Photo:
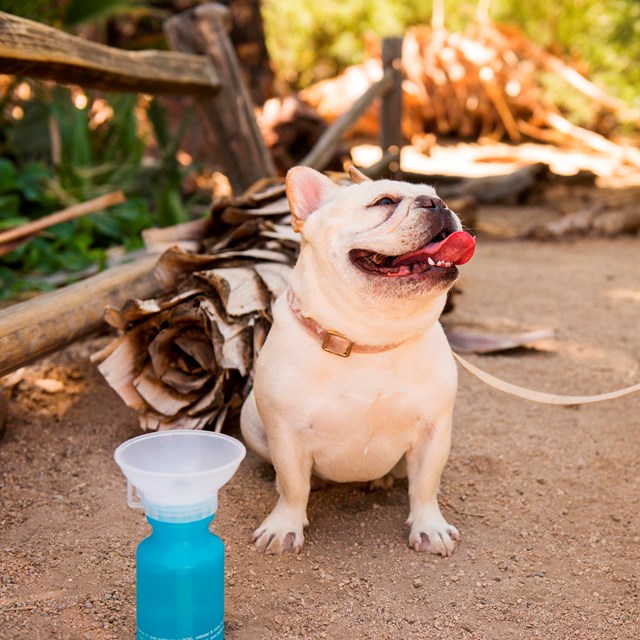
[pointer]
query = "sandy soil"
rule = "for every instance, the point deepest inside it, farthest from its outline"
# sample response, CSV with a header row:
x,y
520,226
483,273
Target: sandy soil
x,y
546,499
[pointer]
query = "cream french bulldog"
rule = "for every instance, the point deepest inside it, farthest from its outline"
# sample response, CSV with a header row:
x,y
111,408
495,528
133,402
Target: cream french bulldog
x,y
356,379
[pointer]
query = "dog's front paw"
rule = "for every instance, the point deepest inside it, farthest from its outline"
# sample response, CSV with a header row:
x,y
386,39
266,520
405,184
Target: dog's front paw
x,y
279,534
439,537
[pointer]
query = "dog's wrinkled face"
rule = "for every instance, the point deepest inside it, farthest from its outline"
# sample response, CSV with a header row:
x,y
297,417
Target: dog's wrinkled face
x,y
387,238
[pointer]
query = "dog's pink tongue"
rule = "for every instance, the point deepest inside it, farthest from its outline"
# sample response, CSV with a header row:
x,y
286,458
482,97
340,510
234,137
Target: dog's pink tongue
x,y
457,248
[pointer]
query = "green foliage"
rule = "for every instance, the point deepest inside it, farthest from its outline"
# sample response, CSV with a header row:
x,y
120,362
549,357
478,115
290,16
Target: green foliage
x,y
311,40
93,160
79,11
603,36
55,155
48,11
66,12
168,201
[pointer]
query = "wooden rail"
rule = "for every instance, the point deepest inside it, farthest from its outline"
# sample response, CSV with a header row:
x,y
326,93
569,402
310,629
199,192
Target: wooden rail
x,y
323,150
389,88
32,49
51,321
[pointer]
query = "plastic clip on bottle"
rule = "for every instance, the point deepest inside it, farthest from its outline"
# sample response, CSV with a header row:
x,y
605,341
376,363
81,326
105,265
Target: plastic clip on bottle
x,y
175,477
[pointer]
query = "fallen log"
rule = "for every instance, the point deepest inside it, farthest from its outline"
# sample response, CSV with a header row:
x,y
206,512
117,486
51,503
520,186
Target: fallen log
x,y
382,168
487,189
492,189
51,321
591,139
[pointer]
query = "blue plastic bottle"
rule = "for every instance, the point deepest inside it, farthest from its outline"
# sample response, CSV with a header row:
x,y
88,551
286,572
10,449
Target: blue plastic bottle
x,y
180,582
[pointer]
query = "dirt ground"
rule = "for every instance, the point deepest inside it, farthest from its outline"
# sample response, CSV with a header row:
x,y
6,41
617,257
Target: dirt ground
x,y
547,499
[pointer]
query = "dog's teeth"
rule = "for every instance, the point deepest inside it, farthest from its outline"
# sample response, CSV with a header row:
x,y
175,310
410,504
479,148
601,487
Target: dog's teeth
x,y
378,258
431,262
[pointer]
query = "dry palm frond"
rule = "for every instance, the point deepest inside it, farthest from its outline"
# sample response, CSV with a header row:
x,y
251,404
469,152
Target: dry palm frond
x,y
186,360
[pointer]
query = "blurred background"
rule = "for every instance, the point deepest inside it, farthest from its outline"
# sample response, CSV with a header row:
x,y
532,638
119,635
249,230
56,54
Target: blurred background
x,y
482,73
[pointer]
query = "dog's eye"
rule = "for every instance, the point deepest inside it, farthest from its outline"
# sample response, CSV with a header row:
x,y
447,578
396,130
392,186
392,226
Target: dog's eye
x,y
384,201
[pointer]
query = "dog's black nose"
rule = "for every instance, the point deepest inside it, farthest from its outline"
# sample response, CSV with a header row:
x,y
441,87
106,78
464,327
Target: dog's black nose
x,y
429,202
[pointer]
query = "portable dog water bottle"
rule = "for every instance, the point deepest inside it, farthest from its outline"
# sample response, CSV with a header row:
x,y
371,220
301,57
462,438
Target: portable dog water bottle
x,y
175,477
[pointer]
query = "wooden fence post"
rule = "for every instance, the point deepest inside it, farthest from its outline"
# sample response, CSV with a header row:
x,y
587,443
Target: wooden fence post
x,y
391,138
321,154
228,117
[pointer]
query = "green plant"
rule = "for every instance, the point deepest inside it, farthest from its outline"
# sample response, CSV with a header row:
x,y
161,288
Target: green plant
x,y
89,160
602,37
321,38
56,152
65,13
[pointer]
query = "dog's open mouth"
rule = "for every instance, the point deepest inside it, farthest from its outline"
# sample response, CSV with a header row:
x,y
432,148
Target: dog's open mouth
x,y
441,252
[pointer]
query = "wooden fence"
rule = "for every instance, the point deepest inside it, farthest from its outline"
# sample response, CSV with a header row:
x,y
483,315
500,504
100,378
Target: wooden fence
x,y
203,65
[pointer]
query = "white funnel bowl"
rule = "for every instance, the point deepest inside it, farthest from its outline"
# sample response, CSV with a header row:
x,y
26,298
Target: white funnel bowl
x,y
176,474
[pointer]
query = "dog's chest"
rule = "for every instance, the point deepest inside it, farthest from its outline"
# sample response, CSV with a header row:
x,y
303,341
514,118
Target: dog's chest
x,y
362,424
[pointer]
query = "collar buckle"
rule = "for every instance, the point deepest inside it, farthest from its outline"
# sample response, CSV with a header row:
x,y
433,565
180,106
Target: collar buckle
x,y
329,340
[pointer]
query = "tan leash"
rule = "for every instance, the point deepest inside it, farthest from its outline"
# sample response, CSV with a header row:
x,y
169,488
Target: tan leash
x,y
540,396
344,347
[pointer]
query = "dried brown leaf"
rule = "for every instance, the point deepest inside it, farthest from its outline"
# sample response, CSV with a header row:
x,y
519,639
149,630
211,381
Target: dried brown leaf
x,y
134,309
187,358
469,341
161,398
120,368
235,215
188,235
240,289
276,277
212,399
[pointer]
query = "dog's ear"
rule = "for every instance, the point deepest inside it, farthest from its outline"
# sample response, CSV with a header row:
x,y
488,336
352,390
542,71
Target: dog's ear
x,y
307,190
357,176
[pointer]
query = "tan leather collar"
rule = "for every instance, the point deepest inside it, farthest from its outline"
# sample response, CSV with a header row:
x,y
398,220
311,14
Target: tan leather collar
x,y
332,341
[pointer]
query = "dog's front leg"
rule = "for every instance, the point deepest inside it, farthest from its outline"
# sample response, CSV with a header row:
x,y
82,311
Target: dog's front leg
x,y
282,530
425,462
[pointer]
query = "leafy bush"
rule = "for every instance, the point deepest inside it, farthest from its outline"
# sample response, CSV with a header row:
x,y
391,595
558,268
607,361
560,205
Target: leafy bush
x,y
91,158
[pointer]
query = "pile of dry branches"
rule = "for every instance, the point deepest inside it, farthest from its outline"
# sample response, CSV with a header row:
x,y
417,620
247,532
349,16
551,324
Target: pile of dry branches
x,y
483,83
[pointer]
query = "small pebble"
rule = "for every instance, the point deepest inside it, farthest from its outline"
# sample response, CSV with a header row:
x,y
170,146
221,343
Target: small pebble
x,y
49,385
